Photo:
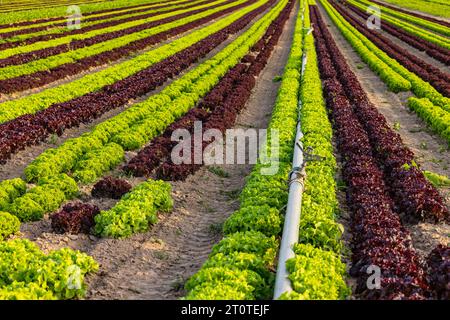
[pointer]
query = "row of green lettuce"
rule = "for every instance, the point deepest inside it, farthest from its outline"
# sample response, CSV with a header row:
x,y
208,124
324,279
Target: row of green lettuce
x,y
26,273
30,204
13,6
76,55
36,14
53,28
316,271
432,37
241,265
436,27
434,116
95,81
89,34
430,105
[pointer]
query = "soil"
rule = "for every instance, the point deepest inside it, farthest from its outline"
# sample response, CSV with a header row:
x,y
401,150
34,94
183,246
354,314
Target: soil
x,y
155,264
431,151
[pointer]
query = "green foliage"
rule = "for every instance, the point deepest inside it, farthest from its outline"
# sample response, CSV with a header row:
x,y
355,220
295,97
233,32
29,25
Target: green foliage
x,y
249,242
110,44
436,8
46,197
436,117
259,218
387,68
436,179
135,211
27,273
218,171
10,190
25,291
208,282
316,274
97,162
232,289
9,225
61,11
319,203
240,261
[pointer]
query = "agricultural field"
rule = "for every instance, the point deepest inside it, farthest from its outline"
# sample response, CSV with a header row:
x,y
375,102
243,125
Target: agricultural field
x,y
224,150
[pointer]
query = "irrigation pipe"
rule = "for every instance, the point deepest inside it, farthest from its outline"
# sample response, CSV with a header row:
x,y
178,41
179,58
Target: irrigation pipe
x,y
293,210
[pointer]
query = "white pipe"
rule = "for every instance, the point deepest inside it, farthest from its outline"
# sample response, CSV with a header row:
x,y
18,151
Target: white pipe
x,y
293,211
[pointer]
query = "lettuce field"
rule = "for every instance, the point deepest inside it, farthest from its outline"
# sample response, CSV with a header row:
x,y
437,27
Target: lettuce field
x,y
224,150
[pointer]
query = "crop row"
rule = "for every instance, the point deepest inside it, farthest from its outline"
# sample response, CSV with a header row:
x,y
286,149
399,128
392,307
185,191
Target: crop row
x,y
412,193
439,80
427,24
12,6
218,110
33,17
27,273
430,36
31,129
135,211
45,197
88,17
437,118
95,81
28,36
433,50
378,237
41,72
44,49
30,5
379,58
411,13
316,271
